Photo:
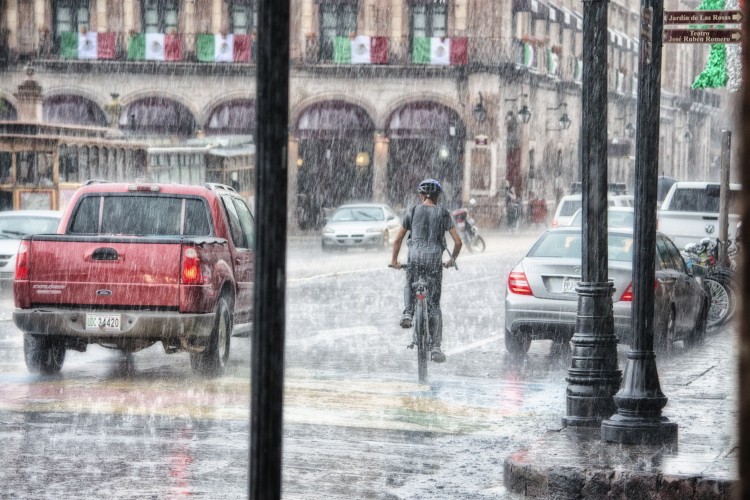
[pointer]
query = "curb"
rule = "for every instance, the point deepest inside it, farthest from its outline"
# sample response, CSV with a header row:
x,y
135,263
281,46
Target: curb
x,y
577,464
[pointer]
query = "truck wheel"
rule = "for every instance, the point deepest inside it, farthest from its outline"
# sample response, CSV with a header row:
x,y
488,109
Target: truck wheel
x,y
43,354
213,360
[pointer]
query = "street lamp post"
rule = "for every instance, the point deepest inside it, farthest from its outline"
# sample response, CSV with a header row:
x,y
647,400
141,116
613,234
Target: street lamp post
x,y
640,401
593,377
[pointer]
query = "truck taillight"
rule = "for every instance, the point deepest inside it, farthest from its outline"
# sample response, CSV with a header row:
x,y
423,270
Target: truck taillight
x,y
22,261
191,267
518,284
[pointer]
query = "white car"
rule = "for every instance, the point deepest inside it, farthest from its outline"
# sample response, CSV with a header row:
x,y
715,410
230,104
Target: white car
x,y
16,224
358,225
571,203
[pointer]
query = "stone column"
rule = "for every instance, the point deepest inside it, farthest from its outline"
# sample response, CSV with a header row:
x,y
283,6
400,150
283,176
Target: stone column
x,y
128,17
101,16
216,20
380,167
39,18
292,168
12,10
29,97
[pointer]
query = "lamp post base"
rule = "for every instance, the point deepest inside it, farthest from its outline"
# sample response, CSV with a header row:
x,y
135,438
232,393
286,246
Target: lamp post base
x,y
627,430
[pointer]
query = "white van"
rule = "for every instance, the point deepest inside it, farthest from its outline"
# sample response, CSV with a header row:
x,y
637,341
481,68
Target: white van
x,y
571,203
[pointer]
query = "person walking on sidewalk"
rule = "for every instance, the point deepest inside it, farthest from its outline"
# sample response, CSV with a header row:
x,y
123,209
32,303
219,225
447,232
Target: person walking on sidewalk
x,y
427,224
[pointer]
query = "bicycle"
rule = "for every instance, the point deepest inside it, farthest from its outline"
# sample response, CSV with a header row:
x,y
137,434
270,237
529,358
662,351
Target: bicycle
x,y
421,337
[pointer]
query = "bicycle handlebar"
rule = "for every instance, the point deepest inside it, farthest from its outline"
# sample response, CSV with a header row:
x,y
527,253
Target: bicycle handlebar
x,y
404,266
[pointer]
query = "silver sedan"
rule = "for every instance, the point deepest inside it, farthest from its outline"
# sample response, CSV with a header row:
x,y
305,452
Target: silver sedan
x,y
357,225
541,301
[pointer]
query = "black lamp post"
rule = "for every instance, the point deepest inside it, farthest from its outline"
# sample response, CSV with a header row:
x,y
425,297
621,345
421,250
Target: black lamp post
x,y
564,118
525,114
640,401
593,377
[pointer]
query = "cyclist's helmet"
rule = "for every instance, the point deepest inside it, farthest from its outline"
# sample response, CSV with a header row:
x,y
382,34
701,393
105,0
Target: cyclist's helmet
x,y
429,187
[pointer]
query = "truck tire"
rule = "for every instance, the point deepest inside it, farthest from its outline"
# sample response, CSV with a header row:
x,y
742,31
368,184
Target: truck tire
x,y
213,360
43,354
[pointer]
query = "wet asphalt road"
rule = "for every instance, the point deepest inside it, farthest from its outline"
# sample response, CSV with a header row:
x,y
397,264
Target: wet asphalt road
x,y
357,425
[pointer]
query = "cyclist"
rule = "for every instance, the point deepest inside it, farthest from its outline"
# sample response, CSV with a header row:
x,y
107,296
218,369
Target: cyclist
x,y
427,224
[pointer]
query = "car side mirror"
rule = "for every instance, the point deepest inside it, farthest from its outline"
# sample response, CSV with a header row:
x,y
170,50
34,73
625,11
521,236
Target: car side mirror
x,y
390,217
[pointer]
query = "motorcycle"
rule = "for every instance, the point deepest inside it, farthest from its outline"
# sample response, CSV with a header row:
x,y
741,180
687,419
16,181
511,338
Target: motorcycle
x,y
468,229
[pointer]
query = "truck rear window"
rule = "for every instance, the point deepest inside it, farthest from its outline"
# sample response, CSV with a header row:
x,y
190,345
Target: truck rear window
x,y
700,200
141,216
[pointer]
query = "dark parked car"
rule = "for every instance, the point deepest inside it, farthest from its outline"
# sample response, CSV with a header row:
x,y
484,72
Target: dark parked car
x,y
541,301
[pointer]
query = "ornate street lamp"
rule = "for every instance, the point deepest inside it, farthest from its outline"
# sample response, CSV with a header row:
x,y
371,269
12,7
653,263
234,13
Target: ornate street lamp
x,y
524,114
479,111
564,118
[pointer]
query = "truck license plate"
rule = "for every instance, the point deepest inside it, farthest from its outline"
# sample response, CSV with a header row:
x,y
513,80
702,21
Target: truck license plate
x,y
103,322
569,285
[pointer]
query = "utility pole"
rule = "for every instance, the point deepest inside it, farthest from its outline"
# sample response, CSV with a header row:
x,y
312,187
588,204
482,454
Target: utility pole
x,y
593,377
267,370
640,401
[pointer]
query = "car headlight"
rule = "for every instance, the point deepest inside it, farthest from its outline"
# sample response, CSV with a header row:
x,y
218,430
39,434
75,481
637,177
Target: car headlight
x,y
375,230
328,230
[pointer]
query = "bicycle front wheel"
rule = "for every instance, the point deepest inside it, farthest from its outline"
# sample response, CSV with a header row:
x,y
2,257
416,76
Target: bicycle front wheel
x,y
420,336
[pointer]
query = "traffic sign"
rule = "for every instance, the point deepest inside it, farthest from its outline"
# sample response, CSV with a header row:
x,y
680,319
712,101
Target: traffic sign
x,y
702,16
702,36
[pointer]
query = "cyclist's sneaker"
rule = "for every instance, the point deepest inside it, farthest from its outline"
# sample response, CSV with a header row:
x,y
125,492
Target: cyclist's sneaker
x,y
437,355
405,321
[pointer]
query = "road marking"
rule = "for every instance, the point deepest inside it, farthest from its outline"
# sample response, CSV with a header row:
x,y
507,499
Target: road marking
x,y
334,334
473,345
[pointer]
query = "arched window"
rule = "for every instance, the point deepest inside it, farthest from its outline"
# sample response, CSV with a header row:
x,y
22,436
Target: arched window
x,y
74,110
243,16
232,117
157,115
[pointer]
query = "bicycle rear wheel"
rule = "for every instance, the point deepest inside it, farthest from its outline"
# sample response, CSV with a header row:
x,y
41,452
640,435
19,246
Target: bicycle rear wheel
x,y
420,336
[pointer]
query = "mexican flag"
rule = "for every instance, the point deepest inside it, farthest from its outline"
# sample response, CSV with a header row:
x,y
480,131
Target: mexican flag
x,y
360,50
155,47
220,48
89,45
440,51
528,55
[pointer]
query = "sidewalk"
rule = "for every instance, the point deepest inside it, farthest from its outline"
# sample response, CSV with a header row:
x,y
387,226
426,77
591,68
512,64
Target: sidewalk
x,y
702,390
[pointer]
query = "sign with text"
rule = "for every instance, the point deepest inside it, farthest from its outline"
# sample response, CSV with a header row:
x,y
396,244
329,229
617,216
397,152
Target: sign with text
x,y
702,16
702,36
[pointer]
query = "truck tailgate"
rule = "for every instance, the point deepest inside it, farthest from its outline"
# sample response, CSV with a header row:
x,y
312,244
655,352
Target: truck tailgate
x,y
107,272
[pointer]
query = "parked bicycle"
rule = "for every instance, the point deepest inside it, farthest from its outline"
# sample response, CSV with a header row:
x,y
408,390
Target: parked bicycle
x,y
718,279
422,337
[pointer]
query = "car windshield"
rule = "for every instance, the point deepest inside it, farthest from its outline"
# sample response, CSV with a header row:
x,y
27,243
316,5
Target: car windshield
x,y
567,245
614,219
20,226
350,214
569,207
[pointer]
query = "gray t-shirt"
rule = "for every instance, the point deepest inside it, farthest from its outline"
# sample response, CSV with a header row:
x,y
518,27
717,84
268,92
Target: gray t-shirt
x,y
427,226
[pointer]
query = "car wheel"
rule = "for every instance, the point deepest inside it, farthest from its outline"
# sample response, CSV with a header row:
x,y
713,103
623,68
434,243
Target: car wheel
x,y
43,354
665,341
213,360
517,344
698,335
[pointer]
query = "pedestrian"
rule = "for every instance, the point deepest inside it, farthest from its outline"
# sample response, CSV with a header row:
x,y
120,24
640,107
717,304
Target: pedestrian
x,y
426,224
537,210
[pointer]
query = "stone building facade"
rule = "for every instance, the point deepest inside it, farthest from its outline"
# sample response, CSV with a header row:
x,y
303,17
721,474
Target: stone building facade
x,y
477,93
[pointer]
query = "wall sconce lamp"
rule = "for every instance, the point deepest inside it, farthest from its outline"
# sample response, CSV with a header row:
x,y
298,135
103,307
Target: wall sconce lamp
x,y
564,118
630,130
362,159
479,111
443,152
524,114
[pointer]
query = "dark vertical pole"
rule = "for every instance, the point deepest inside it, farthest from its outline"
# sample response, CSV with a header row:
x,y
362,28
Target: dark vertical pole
x,y
743,338
267,371
593,377
640,400
726,147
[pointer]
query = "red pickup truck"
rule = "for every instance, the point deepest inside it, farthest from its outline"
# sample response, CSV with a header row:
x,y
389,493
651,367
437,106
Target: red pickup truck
x,y
134,264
